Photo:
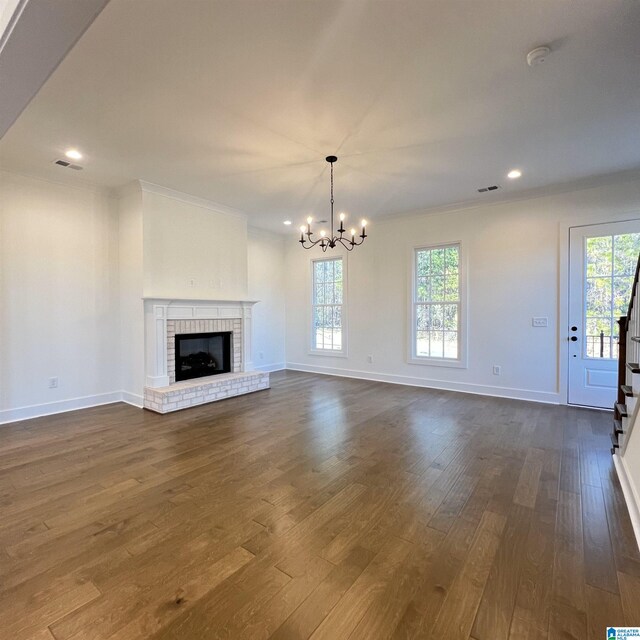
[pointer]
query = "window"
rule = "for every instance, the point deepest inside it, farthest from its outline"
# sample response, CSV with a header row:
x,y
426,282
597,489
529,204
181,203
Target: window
x,y
436,323
328,306
610,264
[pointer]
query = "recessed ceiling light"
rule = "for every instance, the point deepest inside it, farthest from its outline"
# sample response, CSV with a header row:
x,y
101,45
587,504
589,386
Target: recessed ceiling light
x,y
74,154
514,173
287,222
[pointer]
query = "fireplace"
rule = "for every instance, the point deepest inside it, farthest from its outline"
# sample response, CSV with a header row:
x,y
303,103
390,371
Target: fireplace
x,y
203,354
169,324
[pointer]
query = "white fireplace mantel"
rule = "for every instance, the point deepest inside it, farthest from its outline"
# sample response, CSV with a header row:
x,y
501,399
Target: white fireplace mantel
x,y
157,311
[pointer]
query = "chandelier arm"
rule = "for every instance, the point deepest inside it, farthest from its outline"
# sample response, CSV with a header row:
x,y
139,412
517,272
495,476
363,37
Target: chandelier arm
x,y
345,243
312,243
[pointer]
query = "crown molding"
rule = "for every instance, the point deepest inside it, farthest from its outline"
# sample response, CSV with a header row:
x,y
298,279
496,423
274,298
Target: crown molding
x,y
82,186
592,182
11,22
129,189
187,198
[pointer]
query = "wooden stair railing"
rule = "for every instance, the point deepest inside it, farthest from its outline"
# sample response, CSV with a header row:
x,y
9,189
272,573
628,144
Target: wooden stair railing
x,y
623,325
628,358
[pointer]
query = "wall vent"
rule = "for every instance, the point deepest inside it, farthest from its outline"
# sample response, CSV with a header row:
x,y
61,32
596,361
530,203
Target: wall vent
x,y
68,165
493,187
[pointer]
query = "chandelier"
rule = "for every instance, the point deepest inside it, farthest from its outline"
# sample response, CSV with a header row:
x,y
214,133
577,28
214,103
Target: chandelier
x,y
333,239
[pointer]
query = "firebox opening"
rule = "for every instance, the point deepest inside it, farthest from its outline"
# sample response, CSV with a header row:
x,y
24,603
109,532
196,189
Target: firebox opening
x,y
202,354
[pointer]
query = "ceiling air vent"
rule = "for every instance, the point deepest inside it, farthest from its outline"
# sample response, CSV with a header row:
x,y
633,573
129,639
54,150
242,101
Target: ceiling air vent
x,y
493,187
69,165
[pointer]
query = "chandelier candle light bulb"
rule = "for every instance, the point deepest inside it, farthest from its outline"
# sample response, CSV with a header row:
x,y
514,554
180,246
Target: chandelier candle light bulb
x,y
334,238
341,229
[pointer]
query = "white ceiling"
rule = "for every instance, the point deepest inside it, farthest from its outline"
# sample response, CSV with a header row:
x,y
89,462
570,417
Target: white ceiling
x,y
239,101
34,37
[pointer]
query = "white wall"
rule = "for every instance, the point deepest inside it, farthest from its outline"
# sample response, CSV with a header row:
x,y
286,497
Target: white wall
x,y
131,309
515,271
58,292
191,251
76,265
74,270
628,467
267,284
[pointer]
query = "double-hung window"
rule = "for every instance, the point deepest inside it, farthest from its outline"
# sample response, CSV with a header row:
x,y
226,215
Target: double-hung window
x,y
328,306
436,323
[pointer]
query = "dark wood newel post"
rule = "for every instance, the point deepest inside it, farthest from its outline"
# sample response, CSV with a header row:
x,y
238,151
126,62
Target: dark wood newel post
x,y
622,356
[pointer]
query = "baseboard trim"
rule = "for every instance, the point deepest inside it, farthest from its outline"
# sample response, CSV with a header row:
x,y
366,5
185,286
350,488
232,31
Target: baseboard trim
x,y
132,398
462,387
270,368
631,496
73,404
60,406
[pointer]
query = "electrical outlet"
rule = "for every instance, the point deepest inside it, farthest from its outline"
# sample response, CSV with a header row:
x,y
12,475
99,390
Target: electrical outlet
x,y
497,370
370,359
540,322
192,282
261,355
53,383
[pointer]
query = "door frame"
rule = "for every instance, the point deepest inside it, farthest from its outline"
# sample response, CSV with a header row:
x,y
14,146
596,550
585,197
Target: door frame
x,y
563,298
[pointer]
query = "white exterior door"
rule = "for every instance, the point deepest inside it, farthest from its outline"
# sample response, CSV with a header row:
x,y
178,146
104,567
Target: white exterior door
x,y
602,263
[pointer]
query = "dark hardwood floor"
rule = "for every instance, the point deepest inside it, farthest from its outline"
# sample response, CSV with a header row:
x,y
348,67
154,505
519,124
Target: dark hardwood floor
x,y
324,508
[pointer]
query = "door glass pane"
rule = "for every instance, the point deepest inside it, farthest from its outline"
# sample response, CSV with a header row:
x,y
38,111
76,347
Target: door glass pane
x,y
609,269
599,256
625,254
598,297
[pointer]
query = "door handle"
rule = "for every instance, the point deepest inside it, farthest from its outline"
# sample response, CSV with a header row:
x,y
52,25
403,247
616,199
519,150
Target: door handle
x,y
573,338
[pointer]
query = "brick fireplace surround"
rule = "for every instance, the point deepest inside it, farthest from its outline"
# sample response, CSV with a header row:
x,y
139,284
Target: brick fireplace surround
x,y
182,327
164,319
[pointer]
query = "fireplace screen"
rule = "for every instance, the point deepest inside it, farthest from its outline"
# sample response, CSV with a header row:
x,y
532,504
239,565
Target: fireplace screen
x,y
202,354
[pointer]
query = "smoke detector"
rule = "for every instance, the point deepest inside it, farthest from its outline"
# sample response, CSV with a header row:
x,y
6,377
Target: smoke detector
x,y
537,56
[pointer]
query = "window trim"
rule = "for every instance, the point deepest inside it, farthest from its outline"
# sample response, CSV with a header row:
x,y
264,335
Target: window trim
x,y
312,351
412,358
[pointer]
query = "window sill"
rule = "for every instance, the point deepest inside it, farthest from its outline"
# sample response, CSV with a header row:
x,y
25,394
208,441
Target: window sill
x,y
328,354
437,362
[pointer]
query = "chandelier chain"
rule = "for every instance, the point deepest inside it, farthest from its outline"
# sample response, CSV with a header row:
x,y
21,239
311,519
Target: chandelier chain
x,y
331,165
